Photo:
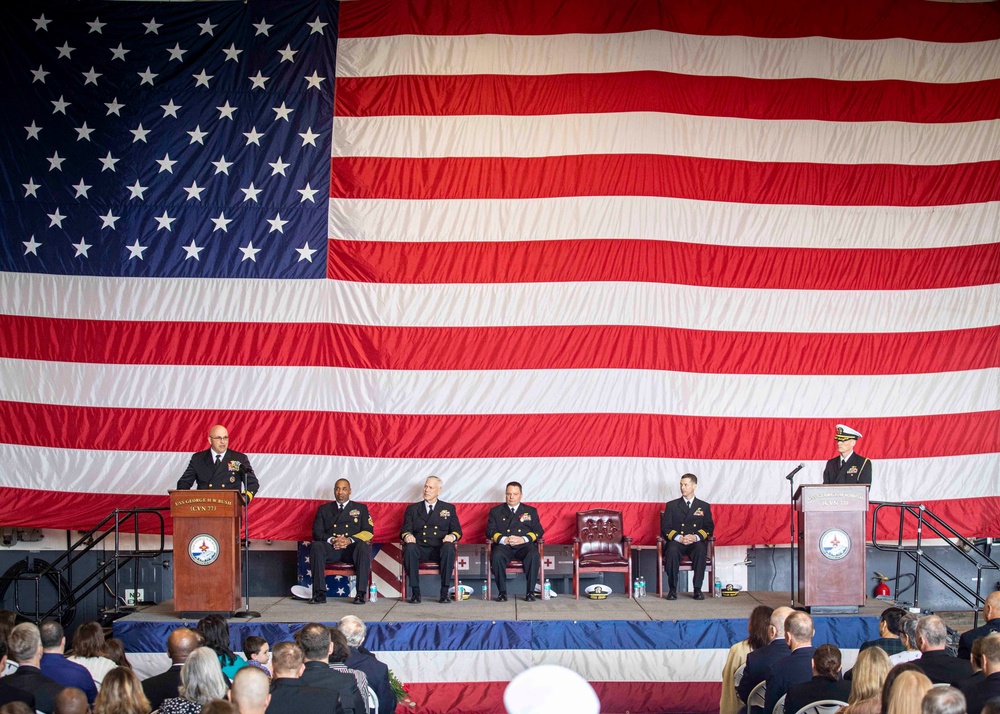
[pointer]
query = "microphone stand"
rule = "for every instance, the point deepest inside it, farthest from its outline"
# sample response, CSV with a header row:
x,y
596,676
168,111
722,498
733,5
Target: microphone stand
x,y
246,612
791,537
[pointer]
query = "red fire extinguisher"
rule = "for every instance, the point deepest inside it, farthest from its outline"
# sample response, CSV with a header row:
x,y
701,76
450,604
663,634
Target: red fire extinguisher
x,y
882,589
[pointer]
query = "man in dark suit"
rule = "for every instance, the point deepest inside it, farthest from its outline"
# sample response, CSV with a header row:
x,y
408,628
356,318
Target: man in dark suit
x,y
317,646
7,692
289,694
989,688
939,666
686,526
180,643
354,631
991,613
219,467
56,667
759,661
848,467
888,640
25,647
797,667
342,532
430,532
514,528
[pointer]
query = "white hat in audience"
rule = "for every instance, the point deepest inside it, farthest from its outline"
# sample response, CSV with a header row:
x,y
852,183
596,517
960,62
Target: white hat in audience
x,y
550,688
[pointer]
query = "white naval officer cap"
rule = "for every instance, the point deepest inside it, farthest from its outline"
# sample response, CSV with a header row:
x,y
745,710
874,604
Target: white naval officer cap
x,y
845,433
549,688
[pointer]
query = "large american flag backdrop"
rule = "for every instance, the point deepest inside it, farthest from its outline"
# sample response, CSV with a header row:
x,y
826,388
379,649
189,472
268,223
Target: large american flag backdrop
x,y
586,245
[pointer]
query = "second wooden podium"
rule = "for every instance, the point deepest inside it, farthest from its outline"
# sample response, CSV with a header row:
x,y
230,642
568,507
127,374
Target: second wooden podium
x,y
206,551
831,523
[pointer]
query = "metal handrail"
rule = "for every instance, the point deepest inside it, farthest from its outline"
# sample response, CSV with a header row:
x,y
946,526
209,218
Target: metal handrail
x,y
114,524
923,561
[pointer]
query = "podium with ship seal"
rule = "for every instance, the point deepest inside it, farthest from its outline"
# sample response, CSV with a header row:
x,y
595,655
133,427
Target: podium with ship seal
x,y
206,552
831,542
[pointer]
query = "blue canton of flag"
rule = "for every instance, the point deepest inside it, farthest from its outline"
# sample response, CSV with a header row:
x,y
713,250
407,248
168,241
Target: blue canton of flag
x,y
167,139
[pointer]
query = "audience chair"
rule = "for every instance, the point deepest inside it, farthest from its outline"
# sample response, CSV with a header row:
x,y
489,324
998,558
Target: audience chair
x,y
431,567
514,567
823,706
756,698
686,564
601,546
738,674
779,706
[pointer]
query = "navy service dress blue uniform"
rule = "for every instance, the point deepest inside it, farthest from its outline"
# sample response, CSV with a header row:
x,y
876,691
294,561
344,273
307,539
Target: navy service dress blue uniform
x,y
523,522
855,469
350,521
678,520
225,475
429,529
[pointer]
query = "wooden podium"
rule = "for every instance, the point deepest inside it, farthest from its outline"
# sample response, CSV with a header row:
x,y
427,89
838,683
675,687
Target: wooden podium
x,y
831,523
206,551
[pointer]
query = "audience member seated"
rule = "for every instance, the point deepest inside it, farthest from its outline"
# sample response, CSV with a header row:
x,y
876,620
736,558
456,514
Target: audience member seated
x,y
251,691
7,622
215,630
550,688
56,667
939,666
121,693
315,641
966,684
991,707
888,631
908,638
258,653
201,682
991,613
180,643
25,645
890,679
7,692
221,706
338,658
760,660
758,635
796,668
114,650
989,688
364,661
825,683
289,694
870,672
72,701
943,700
88,650
907,693
16,708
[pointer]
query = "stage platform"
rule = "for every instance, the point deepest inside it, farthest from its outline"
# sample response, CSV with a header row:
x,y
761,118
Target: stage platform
x,y
645,655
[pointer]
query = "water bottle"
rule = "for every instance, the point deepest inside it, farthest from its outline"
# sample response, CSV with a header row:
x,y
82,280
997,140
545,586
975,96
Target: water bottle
x,y
642,586
372,592
718,589
635,589
486,593
547,590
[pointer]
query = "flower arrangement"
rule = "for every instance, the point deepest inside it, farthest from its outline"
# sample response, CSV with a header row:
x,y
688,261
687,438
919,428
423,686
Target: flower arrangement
x,y
400,690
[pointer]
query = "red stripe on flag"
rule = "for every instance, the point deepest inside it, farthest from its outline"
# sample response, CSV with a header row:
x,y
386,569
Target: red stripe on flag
x,y
875,19
492,348
657,175
495,436
649,91
654,261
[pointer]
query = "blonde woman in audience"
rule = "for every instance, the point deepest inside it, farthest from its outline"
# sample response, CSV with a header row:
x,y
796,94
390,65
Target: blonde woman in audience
x,y
121,693
869,675
88,650
907,693
201,682
757,637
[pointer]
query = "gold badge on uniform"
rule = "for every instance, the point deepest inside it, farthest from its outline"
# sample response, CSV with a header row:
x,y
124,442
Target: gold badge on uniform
x,y
852,470
445,513
699,512
232,479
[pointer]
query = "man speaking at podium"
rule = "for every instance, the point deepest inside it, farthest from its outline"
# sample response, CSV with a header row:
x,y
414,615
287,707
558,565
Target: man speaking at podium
x,y
219,467
849,467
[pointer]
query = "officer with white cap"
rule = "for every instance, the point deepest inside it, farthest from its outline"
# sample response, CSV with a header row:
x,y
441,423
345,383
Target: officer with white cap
x,y
849,467
549,688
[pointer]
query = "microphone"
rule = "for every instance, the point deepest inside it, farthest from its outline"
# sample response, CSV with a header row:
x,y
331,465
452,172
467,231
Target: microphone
x,y
795,471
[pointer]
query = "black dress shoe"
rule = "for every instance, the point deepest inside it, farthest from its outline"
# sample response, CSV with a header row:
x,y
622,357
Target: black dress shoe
x,y
530,597
502,597
445,598
672,595
359,599
414,598
698,595
319,599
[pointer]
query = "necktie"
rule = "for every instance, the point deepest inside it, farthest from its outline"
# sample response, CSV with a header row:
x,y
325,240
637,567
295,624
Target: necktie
x,y
513,510
218,459
687,504
430,510
340,507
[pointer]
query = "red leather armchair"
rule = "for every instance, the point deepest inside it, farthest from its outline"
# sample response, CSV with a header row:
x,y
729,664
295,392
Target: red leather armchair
x,y
601,546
